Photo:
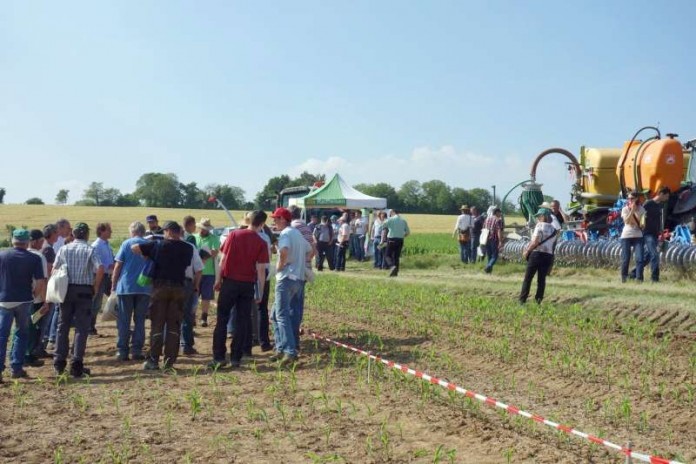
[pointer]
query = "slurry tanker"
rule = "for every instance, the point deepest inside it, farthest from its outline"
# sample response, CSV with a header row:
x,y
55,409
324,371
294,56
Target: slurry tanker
x,y
603,177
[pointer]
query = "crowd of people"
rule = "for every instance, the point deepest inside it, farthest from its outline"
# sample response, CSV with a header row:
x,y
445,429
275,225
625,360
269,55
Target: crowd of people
x,y
165,273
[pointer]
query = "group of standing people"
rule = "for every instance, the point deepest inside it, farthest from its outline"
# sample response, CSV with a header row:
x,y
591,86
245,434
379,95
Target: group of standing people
x,y
353,235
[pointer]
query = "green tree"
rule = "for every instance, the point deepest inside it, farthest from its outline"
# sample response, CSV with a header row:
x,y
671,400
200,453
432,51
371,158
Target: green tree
x,y
381,190
482,198
2,195
411,196
192,196
111,197
461,197
62,196
127,199
159,190
306,179
437,197
93,194
34,201
230,196
266,198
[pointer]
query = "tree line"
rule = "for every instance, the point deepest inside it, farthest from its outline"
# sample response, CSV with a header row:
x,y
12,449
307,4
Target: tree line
x,y
164,190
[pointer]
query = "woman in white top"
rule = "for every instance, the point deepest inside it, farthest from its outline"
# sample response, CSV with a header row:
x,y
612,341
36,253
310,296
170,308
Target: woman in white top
x,y
342,242
539,255
632,236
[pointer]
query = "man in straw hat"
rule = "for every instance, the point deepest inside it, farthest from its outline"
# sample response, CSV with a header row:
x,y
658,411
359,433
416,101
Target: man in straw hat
x,y
462,229
206,240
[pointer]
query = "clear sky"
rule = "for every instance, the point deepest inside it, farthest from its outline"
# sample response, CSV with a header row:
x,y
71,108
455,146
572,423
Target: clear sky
x,y
380,91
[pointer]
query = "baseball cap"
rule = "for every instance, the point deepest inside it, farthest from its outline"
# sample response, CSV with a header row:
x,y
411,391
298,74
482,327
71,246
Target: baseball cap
x,y
283,213
151,218
36,234
543,212
20,235
172,225
81,227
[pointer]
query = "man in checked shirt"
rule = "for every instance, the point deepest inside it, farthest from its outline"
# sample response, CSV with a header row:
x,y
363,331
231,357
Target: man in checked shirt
x,y
85,275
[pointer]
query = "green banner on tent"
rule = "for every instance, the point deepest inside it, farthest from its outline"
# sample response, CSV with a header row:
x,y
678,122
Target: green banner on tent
x,y
325,201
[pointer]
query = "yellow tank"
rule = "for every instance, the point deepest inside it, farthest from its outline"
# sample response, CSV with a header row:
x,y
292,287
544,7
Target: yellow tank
x,y
600,184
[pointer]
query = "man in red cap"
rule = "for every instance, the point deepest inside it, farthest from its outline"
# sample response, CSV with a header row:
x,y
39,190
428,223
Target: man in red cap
x,y
293,253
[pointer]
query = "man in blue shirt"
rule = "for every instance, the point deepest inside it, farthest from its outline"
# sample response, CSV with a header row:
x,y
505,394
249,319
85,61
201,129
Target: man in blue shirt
x,y
133,299
106,256
19,268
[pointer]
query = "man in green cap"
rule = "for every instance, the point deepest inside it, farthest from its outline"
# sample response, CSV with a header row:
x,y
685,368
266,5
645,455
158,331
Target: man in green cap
x,y
539,255
19,269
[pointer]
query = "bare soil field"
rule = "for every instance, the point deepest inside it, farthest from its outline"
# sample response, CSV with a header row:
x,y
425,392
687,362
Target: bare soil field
x,y
613,366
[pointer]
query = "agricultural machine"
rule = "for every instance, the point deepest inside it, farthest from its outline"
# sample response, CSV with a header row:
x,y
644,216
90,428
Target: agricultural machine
x,y
602,179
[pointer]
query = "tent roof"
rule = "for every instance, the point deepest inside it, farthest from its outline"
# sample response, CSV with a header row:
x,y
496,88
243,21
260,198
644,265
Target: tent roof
x,y
336,193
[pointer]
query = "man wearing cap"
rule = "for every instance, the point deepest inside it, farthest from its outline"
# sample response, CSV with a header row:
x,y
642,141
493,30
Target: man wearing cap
x,y
85,274
34,346
153,225
245,255
462,229
539,256
205,240
170,257
133,298
106,257
293,253
19,268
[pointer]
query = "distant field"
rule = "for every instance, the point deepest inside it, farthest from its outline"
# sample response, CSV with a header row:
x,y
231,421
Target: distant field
x,y
36,216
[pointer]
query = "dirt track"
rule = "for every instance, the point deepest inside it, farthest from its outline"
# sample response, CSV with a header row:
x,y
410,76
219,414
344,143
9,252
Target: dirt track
x,y
326,411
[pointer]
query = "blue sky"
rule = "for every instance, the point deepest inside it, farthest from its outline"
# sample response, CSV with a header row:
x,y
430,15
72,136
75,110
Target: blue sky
x,y
380,91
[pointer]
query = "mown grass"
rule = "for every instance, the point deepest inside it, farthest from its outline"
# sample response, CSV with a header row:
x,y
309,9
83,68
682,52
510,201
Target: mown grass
x,y
37,216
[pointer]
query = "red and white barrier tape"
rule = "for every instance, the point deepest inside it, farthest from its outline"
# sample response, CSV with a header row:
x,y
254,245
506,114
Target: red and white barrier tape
x,y
495,403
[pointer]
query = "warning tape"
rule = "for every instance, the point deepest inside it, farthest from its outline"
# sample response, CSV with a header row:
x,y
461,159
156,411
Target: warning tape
x,y
495,403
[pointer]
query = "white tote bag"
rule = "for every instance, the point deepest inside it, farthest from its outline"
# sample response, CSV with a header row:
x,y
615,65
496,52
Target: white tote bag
x,y
57,285
484,237
110,309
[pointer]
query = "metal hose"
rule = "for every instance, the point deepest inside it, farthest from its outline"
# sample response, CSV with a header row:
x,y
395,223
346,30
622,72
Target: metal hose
x,y
602,253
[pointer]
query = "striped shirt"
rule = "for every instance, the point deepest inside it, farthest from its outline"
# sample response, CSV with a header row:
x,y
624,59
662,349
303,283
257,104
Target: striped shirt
x,y
82,262
306,232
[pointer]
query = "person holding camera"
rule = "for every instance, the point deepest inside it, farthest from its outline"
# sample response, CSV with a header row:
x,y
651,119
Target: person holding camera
x,y
632,236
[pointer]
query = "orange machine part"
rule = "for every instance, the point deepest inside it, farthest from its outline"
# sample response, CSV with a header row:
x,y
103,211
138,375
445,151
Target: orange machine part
x,y
660,163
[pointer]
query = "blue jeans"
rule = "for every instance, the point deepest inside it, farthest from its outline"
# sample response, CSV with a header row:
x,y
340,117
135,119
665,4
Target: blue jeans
x,y
492,254
465,253
53,327
286,292
187,340
341,257
474,246
132,306
45,323
21,316
651,254
297,305
378,253
637,245
357,246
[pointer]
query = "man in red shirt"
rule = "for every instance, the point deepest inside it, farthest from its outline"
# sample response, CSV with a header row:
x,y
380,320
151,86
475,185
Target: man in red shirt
x,y
245,255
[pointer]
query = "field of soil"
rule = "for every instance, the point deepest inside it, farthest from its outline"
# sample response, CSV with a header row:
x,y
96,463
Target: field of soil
x,y
611,366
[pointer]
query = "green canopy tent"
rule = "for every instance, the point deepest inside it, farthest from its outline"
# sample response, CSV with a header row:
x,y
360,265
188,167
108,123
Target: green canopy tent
x,y
336,193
